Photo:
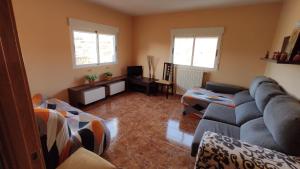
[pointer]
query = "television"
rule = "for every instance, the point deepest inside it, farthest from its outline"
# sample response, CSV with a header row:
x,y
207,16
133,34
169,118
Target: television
x,y
135,71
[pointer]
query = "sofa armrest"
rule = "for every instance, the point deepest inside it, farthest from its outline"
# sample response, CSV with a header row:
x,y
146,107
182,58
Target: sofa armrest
x,y
217,151
223,88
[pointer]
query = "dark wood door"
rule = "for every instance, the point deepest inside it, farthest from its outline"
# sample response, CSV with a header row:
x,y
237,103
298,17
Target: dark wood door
x,y
19,140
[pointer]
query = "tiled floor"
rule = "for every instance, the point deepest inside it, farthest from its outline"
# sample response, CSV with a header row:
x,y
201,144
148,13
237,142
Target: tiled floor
x,y
147,131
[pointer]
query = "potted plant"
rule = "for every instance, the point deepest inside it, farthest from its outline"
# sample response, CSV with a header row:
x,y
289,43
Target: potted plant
x,y
108,75
91,78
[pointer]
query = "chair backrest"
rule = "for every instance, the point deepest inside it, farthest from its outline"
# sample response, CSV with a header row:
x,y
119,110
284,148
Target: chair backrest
x,y
168,72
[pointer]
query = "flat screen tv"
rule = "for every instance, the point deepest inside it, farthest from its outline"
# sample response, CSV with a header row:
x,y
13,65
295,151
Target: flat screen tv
x,y
134,71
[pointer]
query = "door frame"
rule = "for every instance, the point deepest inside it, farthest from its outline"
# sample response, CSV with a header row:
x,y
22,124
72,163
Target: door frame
x,y
19,144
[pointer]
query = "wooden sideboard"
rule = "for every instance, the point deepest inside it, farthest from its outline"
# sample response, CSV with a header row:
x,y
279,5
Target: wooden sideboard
x,y
85,94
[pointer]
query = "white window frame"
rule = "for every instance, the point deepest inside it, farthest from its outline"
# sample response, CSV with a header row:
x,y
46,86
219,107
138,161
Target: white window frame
x,y
85,26
198,32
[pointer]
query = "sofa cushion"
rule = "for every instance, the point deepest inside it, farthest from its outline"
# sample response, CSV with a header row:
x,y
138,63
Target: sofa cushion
x,y
255,132
265,92
220,113
223,88
258,81
213,126
246,112
83,158
242,97
282,118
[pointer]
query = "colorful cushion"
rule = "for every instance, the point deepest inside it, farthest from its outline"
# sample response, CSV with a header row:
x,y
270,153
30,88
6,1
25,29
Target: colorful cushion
x,y
37,100
61,134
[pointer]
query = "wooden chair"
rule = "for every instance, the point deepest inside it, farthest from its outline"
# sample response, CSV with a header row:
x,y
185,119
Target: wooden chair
x,y
167,79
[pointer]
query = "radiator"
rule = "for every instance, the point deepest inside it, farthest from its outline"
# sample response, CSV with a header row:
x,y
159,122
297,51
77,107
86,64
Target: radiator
x,y
187,78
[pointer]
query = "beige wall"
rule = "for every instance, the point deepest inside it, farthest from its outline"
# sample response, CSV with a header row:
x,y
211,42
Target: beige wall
x,y
46,47
249,32
286,75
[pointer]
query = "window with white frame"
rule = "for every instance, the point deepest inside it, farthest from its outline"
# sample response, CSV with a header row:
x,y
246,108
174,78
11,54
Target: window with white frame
x,y
93,44
196,47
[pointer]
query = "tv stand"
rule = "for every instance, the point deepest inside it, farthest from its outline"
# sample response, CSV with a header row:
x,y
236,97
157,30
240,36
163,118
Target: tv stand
x,y
86,94
144,84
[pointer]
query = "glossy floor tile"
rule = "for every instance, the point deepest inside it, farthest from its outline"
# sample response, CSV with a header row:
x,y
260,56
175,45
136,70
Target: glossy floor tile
x,y
147,131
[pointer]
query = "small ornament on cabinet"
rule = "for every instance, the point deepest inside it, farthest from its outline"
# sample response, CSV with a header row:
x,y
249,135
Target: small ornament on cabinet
x,y
276,55
283,57
296,58
267,55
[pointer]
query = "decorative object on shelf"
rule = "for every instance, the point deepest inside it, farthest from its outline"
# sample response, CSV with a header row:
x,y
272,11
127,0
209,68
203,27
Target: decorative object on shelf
x,y
296,58
283,57
267,55
294,44
150,65
285,43
276,55
108,75
290,50
91,78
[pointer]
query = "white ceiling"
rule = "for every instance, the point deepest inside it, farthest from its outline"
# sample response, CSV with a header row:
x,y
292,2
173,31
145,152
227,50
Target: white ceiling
x,y
143,7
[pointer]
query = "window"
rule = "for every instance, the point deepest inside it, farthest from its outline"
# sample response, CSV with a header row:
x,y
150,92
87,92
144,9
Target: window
x,y
198,48
93,44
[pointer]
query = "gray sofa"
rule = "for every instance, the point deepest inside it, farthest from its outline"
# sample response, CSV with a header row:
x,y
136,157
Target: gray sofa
x,y
264,116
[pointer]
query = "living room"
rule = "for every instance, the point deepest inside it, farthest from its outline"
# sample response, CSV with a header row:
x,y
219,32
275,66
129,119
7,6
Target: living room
x,y
151,84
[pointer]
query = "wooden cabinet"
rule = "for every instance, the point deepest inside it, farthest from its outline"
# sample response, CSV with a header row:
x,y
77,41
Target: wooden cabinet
x,y
86,94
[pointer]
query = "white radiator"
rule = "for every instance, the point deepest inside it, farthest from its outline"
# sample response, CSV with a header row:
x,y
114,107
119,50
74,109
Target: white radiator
x,y
187,78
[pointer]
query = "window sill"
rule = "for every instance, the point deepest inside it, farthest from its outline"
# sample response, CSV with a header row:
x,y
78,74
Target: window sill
x,y
196,68
93,65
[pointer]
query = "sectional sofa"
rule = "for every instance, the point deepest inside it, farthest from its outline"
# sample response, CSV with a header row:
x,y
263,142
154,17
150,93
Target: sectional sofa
x,y
264,124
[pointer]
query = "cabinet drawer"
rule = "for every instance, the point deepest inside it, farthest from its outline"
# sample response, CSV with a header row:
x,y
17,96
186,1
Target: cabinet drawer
x,y
117,87
93,95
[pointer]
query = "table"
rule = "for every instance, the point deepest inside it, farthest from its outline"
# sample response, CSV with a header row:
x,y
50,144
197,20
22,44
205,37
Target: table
x,y
197,100
148,85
